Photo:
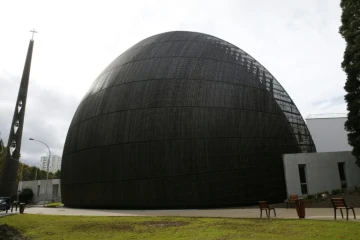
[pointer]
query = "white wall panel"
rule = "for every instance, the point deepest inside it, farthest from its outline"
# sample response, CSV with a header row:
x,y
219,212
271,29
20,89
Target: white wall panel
x,y
322,171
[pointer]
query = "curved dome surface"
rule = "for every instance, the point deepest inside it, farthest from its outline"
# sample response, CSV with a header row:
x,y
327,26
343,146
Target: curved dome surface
x,y
181,119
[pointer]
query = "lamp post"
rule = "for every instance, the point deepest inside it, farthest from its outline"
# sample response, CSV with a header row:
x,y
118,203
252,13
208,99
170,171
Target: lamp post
x,y
47,172
36,168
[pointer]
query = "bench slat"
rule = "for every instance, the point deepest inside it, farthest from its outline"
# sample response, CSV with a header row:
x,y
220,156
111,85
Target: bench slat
x,y
339,203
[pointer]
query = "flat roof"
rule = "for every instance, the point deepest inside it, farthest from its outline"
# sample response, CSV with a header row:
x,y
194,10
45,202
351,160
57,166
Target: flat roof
x,y
326,116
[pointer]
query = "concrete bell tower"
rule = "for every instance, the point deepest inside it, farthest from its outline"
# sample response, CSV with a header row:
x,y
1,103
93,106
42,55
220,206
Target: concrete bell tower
x,y
11,163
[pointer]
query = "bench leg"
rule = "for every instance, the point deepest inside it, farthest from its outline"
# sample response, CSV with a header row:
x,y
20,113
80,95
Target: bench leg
x,y
334,213
274,212
342,215
260,213
347,214
267,213
353,212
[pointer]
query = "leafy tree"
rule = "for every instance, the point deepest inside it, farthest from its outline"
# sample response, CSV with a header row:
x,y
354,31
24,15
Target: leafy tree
x,y
26,172
57,174
350,30
26,195
2,158
2,153
1,146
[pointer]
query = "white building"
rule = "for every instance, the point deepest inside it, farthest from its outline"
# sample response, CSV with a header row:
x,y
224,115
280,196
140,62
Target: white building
x,y
55,163
328,132
332,167
53,190
311,173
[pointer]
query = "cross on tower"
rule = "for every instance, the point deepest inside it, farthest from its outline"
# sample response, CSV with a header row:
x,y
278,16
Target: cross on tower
x,y
33,31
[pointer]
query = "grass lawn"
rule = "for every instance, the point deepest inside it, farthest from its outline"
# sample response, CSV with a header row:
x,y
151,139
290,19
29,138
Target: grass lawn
x,y
55,204
70,227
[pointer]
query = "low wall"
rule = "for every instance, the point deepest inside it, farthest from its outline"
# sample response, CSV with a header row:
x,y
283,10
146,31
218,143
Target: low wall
x,y
38,187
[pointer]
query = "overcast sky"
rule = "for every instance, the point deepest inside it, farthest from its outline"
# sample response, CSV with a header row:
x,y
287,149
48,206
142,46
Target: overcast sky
x,y
297,41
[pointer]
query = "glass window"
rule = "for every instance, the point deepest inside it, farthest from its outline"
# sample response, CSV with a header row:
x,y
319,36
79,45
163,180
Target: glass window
x,y
303,182
341,167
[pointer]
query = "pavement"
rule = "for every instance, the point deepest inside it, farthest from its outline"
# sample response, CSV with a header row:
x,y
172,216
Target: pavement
x,y
281,213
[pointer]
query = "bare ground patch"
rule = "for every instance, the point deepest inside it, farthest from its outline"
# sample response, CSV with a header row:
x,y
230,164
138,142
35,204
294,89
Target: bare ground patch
x,y
103,226
10,233
166,224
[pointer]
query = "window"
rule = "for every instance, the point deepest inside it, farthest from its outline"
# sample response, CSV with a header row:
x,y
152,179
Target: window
x,y
341,167
55,191
302,174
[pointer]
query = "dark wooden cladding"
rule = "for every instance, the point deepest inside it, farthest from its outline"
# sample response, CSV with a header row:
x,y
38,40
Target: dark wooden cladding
x,y
180,120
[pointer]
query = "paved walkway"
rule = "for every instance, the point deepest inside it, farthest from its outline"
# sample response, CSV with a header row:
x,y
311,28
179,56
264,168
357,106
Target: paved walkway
x,y
311,213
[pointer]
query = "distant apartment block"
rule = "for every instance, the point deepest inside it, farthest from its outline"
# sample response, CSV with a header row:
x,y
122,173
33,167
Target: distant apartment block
x,y
55,163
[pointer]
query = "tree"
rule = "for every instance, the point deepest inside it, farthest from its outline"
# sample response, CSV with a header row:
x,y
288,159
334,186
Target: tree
x,y
2,158
2,148
57,174
350,31
26,195
26,172
2,153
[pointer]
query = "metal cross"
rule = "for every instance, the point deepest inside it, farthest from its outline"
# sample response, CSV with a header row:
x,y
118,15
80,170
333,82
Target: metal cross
x,y
33,31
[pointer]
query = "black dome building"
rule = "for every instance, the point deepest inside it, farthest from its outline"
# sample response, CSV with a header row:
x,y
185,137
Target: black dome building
x,y
181,119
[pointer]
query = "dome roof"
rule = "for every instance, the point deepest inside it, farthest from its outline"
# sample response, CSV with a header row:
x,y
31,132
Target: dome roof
x,y
181,119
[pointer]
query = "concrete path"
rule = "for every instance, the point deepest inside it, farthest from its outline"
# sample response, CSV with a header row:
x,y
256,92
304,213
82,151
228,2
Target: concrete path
x,y
311,213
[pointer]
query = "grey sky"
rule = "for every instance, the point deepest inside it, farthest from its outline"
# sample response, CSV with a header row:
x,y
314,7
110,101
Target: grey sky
x,y
297,41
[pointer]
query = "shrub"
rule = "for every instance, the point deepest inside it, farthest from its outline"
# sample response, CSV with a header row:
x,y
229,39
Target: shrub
x,y
335,191
310,196
26,195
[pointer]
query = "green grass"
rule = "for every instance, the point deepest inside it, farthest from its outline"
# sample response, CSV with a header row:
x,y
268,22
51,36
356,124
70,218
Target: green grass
x,y
71,227
55,204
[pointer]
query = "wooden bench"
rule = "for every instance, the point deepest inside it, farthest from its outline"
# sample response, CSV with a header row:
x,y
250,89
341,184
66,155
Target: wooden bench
x,y
291,200
339,203
265,206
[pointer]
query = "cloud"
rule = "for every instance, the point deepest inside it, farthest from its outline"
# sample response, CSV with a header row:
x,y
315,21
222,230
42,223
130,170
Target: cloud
x,y
47,118
338,100
297,41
